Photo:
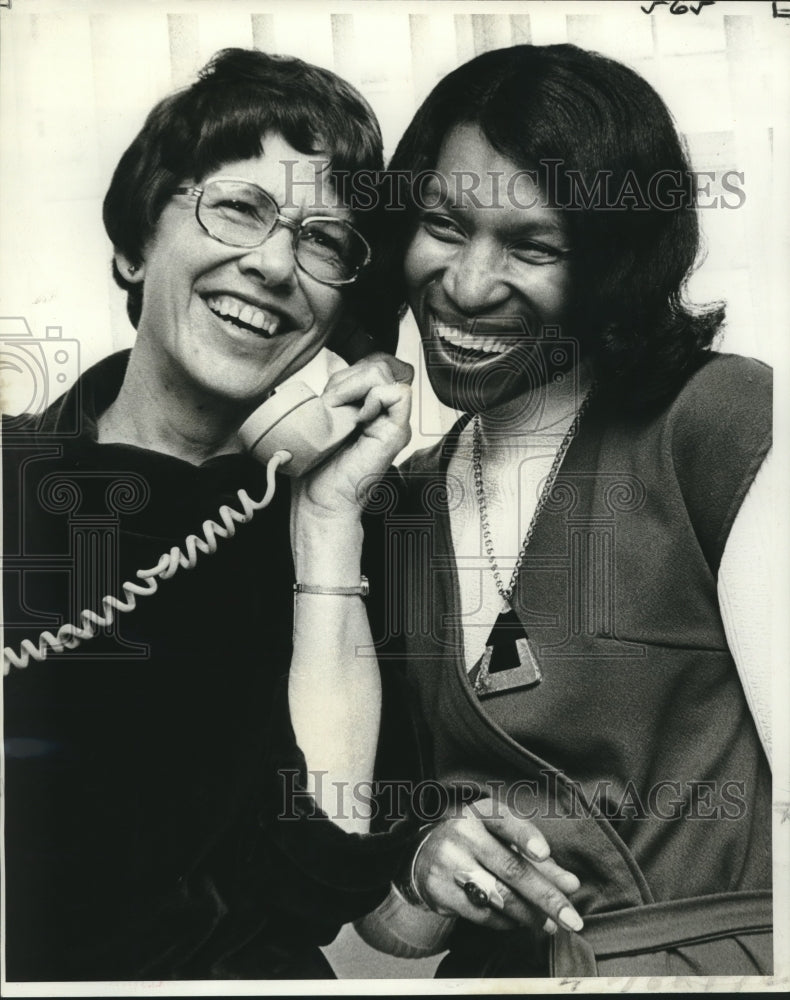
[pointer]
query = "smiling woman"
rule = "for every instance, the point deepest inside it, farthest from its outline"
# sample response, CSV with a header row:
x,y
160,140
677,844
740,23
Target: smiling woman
x,y
171,262
579,615
140,794
484,281
206,302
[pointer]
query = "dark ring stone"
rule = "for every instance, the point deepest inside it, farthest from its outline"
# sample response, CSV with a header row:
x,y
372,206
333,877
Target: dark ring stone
x,y
476,895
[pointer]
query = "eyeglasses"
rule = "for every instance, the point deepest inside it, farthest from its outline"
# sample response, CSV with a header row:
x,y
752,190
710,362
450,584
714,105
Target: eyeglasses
x,y
240,214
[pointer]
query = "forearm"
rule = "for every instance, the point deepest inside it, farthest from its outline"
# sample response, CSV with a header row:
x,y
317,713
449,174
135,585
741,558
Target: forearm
x,y
400,928
334,688
745,592
403,924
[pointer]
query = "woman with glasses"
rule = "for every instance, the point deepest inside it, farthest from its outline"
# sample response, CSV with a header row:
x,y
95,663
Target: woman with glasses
x,y
139,784
583,550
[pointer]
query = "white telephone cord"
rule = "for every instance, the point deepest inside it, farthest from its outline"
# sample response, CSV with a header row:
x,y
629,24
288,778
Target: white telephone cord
x,y
70,636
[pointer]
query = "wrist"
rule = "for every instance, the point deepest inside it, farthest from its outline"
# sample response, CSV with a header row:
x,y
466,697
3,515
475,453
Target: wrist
x,y
405,881
398,928
327,554
312,514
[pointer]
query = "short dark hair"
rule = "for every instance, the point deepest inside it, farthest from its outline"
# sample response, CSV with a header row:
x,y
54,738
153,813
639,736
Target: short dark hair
x,y
239,95
537,104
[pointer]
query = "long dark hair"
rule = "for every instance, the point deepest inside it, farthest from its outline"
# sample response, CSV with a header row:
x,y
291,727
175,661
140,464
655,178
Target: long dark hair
x,y
579,119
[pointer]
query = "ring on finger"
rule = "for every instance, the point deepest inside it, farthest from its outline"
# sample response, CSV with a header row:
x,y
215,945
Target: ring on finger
x,y
480,888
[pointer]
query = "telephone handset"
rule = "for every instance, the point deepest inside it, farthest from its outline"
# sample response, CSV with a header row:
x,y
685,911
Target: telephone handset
x,y
296,421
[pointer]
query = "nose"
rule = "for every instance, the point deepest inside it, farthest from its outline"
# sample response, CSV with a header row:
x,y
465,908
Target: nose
x,y
274,260
472,278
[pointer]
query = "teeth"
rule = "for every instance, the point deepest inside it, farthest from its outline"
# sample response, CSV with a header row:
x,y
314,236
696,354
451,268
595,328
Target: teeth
x,y
228,307
457,337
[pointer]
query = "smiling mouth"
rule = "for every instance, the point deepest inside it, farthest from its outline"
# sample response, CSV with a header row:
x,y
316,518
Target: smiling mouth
x,y
244,316
468,344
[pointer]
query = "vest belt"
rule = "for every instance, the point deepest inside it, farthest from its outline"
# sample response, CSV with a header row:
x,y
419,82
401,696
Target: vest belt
x,y
657,927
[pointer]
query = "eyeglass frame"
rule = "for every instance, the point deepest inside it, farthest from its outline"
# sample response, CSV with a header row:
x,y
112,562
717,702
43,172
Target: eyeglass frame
x,y
279,220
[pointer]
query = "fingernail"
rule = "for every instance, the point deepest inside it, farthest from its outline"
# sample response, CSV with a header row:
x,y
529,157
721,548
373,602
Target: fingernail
x,y
570,919
538,848
570,882
496,900
550,927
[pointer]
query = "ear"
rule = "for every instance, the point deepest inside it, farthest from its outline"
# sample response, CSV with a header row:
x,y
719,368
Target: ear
x,y
133,273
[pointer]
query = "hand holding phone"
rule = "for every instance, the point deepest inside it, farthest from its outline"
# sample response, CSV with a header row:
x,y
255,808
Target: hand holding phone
x,y
354,431
297,421
311,428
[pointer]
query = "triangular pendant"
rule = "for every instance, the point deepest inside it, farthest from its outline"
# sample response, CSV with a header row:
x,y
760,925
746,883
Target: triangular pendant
x,y
507,663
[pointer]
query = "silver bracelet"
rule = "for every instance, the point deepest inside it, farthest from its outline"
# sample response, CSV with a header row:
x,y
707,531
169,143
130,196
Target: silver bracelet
x,y
409,889
361,590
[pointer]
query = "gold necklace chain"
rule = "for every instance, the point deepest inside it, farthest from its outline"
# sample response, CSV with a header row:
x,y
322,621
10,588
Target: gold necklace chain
x,y
482,503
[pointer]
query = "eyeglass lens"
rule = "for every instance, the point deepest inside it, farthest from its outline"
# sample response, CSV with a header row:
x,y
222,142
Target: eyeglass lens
x,y
243,215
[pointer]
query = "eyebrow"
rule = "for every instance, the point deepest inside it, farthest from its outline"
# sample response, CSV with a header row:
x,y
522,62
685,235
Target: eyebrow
x,y
519,222
540,227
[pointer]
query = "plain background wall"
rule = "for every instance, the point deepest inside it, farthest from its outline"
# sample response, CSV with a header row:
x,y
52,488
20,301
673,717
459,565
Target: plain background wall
x,y
77,78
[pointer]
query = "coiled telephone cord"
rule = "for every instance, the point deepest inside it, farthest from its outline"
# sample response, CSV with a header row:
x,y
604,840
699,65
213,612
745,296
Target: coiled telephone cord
x,y
70,636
